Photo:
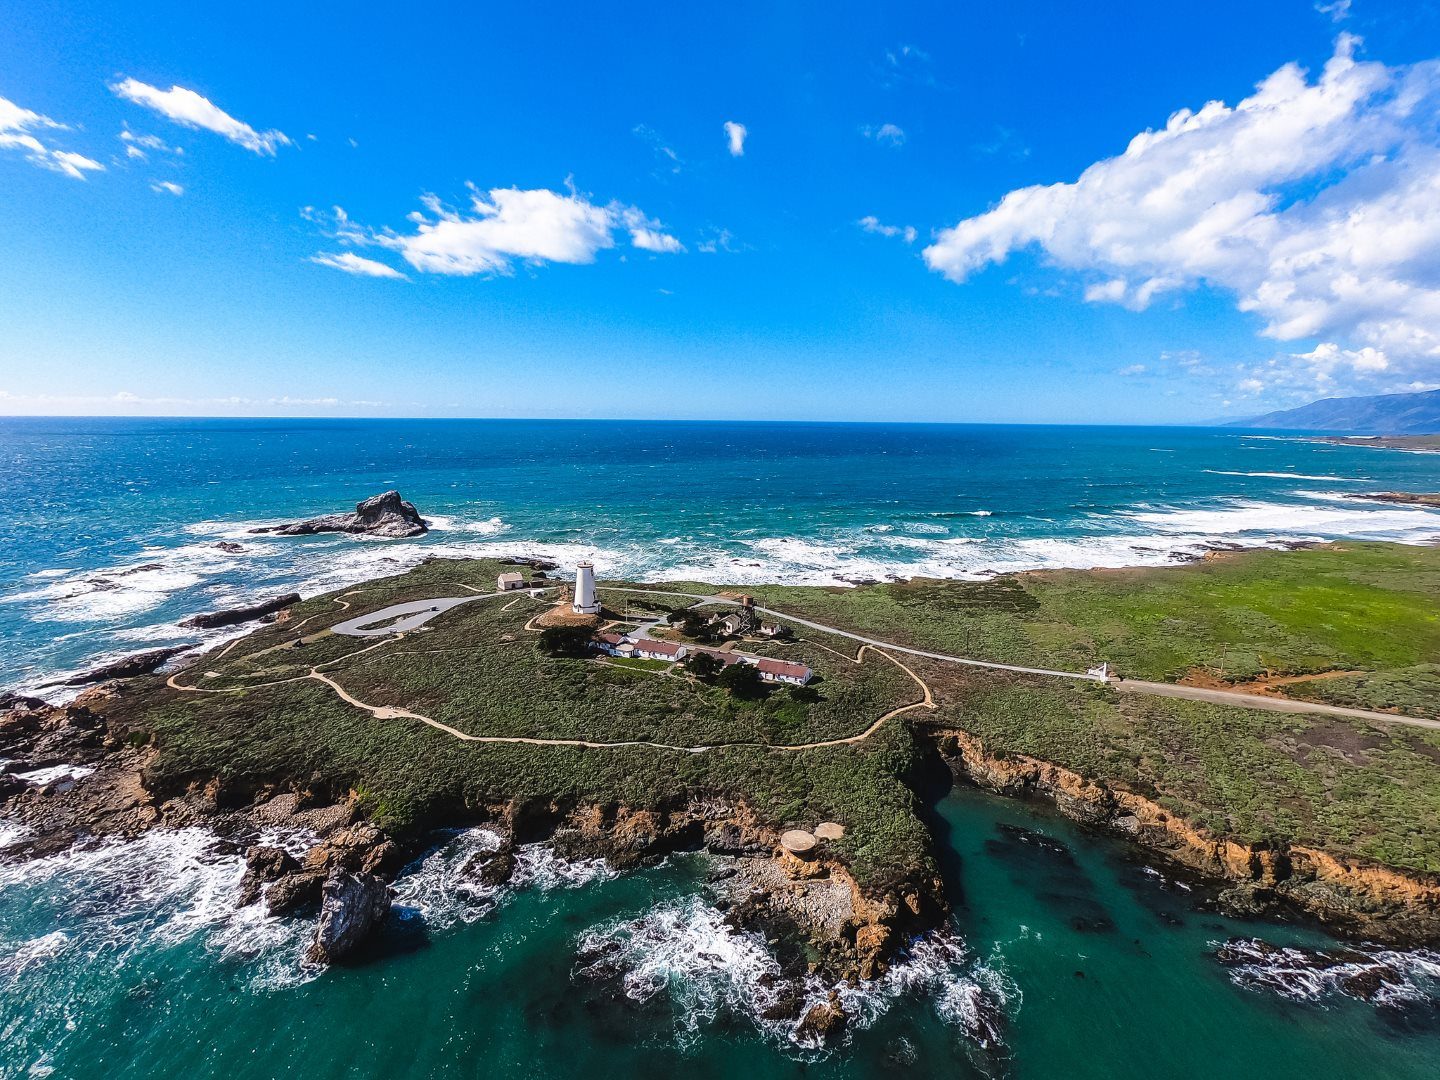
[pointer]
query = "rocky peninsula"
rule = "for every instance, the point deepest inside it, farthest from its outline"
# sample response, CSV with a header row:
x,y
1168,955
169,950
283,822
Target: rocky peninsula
x,y
366,746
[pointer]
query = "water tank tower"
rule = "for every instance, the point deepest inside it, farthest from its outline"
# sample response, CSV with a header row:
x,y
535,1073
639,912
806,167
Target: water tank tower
x,y
586,602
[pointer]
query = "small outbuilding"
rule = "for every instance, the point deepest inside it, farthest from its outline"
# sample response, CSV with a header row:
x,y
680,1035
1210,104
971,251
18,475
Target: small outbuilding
x,y
510,581
783,671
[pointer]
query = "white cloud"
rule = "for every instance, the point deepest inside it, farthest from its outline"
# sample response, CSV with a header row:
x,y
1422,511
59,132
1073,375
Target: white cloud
x,y
167,187
17,132
871,224
717,240
650,240
735,136
355,264
666,155
1316,203
1133,369
889,134
505,225
137,145
1338,10
189,109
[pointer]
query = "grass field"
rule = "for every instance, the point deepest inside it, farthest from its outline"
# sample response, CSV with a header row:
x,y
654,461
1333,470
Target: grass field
x,y
1235,617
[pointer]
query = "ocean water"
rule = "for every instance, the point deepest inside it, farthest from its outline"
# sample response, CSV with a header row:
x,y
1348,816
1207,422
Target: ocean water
x,y
1067,952
1065,957
109,531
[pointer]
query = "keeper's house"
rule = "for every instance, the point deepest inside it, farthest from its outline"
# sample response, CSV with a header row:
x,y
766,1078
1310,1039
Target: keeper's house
x,y
650,649
783,671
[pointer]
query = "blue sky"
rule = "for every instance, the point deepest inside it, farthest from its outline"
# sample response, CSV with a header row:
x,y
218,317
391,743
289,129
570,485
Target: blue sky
x,y
564,228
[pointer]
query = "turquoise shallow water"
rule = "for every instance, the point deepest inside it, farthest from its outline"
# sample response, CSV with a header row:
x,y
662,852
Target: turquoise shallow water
x,y
1065,956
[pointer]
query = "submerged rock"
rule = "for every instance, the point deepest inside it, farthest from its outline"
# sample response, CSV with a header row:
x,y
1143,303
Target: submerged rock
x,y
351,907
231,616
386,514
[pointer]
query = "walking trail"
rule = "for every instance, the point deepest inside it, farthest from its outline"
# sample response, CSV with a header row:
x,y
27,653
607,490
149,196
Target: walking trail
x,y
394,622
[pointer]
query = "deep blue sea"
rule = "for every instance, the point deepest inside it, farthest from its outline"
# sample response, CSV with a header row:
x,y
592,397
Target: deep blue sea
x,y
109,530
1067,955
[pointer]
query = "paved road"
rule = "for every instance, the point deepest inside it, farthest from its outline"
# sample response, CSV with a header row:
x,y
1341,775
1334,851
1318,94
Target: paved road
x,y
397,618
786,617
1261,701
1135,686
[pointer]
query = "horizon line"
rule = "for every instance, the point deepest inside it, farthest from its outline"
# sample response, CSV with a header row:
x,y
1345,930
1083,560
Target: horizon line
x,y
623,420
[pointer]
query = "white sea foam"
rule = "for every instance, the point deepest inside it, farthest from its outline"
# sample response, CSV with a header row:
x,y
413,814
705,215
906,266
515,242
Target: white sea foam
x,y
1293,476
684,949
1245,518
441,886
11,832
120,897
1401,978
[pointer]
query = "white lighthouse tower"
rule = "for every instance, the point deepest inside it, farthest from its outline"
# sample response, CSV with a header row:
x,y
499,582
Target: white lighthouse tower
x,y
586,602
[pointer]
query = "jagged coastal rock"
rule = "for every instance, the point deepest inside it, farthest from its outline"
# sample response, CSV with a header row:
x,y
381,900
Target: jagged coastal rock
x,y
141,663
1405,498
232,616
385,515
351,907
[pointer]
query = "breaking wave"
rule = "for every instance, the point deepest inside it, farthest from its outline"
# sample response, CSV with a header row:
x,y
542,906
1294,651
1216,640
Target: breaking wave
x,y
441,887
684,950
1385,977
141,601
116,900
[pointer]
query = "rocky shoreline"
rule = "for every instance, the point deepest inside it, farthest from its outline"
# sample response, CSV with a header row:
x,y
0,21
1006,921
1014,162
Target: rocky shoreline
x,y
1351,898
811,911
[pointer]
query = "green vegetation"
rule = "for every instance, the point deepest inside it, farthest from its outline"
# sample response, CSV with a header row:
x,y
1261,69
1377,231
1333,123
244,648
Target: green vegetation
x,y
1371,790
1367,611
1235,617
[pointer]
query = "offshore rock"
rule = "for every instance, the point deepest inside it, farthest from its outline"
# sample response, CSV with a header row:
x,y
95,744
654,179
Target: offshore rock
x,y
231,616
385,515
352,906
141,663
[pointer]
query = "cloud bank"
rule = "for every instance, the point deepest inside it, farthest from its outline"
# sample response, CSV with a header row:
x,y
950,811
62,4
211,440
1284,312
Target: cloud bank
x,y
1315,203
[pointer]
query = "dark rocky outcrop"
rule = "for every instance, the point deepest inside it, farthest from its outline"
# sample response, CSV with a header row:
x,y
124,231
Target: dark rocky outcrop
x,y
1405,498
352,906
263,865
232,616
823,1022
386,515
141,663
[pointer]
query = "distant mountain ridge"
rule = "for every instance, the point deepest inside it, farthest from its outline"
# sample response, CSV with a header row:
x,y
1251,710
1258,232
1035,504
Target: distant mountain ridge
x,y
1382,414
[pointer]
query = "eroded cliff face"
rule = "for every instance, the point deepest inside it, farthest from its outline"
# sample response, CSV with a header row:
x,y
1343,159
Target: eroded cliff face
x,y
813,907
1353,896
